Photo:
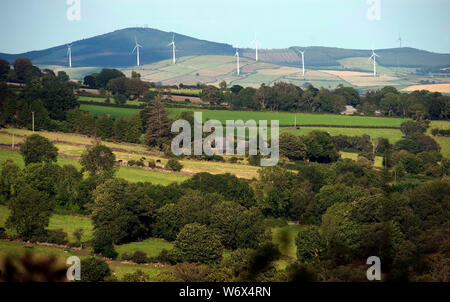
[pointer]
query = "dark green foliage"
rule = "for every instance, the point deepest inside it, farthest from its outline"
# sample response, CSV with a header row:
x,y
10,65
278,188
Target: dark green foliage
x,y
103,243
237,226
30,212
196,243
174,165
124,209
98,159
231,187
36,149
414,127
292,147
157,124
411,163
320,147
94,269
310,244
168,222
300,272
8,176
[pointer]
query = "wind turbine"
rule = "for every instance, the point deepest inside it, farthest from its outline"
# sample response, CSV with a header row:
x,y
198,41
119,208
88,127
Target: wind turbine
x,y
136,47
256,46
303,61
69,54
400,40
373,57
237,58
174,59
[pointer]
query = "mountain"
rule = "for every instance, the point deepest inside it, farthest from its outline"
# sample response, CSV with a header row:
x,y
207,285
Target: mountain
x,y
114,50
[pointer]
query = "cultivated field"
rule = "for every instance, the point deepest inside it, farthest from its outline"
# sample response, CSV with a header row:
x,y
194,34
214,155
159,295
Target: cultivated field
x,y
443,88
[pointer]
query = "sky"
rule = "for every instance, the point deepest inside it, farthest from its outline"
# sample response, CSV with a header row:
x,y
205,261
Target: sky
x,y
359,24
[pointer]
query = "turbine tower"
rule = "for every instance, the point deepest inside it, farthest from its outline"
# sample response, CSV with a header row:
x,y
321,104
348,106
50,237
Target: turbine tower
x,y
69,54
237,61
174,59
136,47
256,47
303,61
373,57
400,40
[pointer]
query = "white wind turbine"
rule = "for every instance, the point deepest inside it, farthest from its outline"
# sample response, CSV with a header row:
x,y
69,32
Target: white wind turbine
x,y
303,61
237,61
373,57
136,47
256,47
400,40
174,59
69,54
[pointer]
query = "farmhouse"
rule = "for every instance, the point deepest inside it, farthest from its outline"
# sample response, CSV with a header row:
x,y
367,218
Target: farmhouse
x,y
349,110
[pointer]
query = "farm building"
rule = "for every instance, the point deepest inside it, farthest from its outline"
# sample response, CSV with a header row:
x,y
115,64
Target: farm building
x,y
349,110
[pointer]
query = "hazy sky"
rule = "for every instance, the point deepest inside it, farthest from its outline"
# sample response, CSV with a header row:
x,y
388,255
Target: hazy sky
x,y
38,24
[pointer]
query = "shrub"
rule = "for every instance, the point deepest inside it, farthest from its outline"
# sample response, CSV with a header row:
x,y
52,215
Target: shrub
x,y
131,163
174,165
94,270
254,160
3,234
57,236
139,257
151,164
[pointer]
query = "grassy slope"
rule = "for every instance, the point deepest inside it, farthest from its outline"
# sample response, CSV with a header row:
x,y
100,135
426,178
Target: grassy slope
x,y
128,173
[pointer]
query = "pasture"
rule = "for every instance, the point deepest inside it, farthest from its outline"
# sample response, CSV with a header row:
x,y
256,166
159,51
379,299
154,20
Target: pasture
x,y
128,173
284,118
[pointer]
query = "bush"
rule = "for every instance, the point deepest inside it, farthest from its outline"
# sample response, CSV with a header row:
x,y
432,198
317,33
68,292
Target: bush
x,y
139,257
254,160
102,243
151,164
94,270
174,165
57,236
3,234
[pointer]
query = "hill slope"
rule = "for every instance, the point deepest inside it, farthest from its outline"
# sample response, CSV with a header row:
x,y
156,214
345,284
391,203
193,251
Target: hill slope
x,y
114,50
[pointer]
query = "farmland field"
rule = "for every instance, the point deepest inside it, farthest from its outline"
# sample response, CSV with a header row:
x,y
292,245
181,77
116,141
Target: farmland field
x,y
127,173
66,222
443,88
285,118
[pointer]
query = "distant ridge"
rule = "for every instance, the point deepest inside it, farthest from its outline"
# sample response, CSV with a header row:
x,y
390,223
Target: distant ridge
x,y
114,50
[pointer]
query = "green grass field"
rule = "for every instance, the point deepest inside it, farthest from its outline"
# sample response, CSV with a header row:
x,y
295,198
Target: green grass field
x,y
151,246
284,118
102,100
284,237
392,134
66,222
127,173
